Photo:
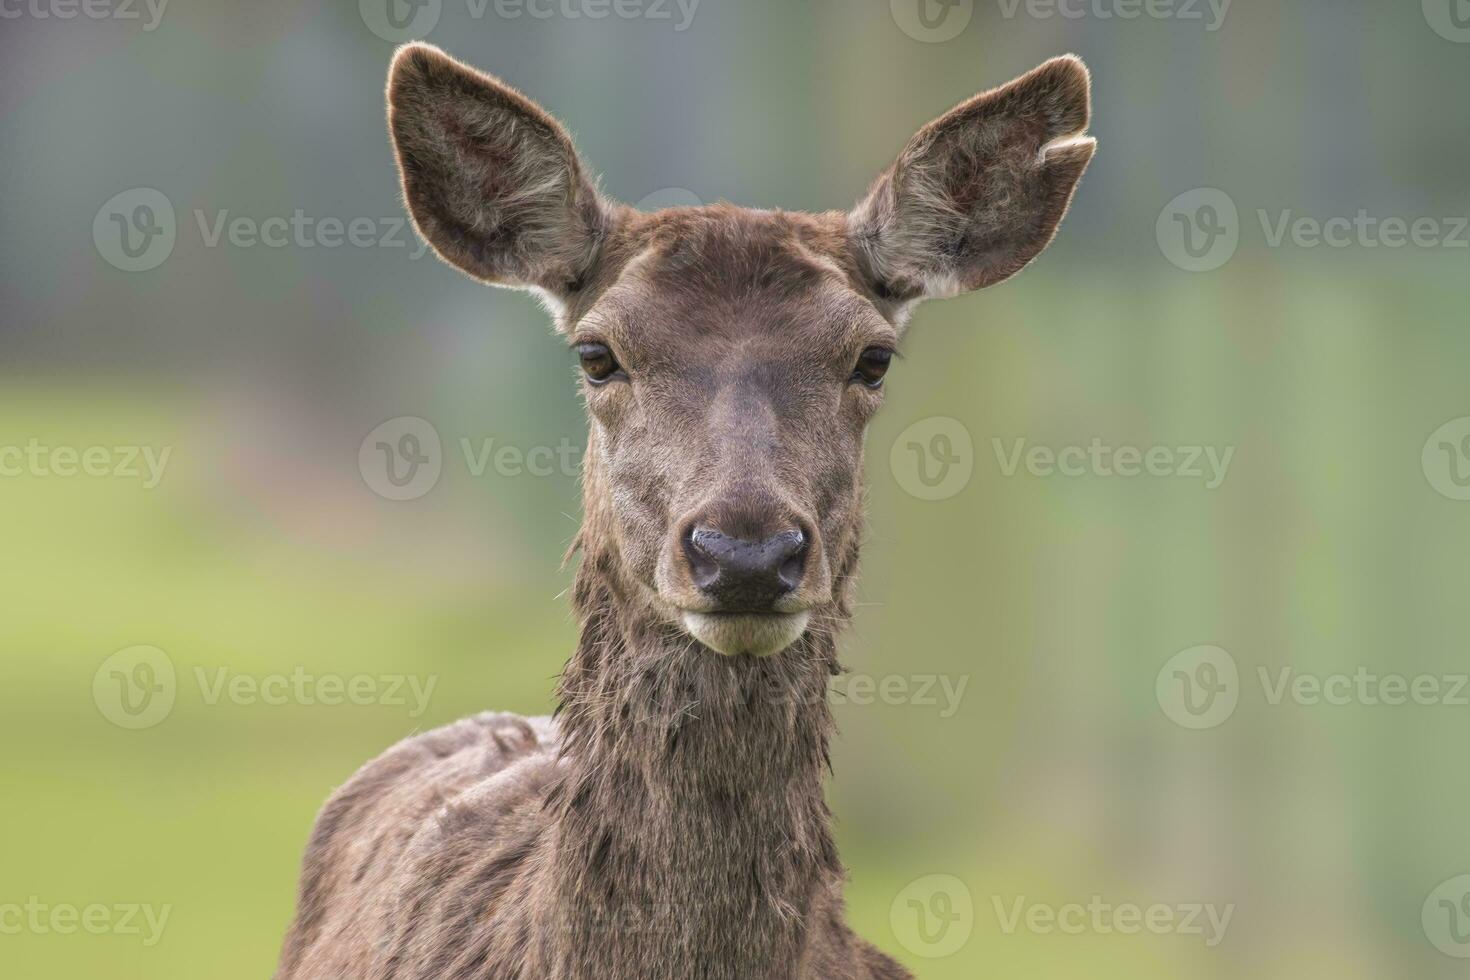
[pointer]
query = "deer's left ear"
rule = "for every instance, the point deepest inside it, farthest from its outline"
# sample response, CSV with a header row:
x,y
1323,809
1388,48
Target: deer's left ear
x,y
492,180
978,192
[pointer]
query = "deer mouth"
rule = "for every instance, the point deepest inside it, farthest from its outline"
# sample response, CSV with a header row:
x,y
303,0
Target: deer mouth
x,y
737,633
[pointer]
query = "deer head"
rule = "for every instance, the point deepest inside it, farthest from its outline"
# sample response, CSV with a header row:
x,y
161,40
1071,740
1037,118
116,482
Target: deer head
x,y
731,359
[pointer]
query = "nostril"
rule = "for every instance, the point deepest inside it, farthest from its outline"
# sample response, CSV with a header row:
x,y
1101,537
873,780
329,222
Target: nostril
x,y
791,572
704,567
792,550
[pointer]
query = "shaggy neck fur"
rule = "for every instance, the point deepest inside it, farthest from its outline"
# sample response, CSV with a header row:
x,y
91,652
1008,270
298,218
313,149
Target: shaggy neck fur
x,y
691,836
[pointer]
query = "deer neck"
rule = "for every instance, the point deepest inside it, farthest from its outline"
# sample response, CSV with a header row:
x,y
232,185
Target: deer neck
x,y
692,837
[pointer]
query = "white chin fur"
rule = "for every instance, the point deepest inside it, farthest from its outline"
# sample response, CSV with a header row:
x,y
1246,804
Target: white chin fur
x,y
758,635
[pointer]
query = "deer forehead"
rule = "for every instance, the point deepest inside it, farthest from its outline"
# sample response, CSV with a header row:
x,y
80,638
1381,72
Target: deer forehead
x,y
724,287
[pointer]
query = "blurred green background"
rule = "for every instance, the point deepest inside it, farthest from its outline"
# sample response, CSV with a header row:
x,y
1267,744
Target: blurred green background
x,y
1332,547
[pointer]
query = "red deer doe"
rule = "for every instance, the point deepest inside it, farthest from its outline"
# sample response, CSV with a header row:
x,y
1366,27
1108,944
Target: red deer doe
x,y
668,822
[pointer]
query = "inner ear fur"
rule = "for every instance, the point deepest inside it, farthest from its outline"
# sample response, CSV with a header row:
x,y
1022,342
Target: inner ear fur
x,y
978,193
492,181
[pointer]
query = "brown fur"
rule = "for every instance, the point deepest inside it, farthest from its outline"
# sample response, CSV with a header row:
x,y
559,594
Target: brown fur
x,y
669,822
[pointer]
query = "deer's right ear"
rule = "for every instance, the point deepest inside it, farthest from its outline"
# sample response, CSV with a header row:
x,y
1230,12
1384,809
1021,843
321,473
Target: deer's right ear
x,y
978,192
492,181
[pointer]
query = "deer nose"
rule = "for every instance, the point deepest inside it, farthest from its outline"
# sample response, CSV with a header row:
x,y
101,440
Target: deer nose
x,y
745,576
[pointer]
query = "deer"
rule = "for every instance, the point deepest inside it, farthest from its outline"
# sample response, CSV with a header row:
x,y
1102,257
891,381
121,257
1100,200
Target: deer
x,y
668,820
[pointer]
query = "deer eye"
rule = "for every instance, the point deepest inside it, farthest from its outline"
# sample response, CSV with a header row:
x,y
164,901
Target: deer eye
x,y
872,366
598,363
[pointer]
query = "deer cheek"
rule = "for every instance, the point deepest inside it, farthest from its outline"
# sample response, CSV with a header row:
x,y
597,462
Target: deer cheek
x,y
608,404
